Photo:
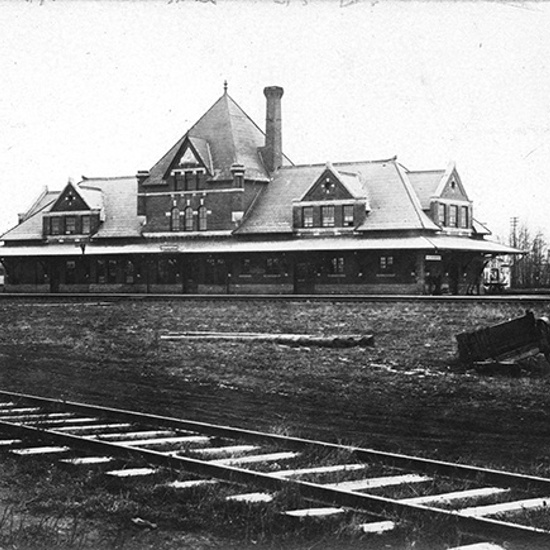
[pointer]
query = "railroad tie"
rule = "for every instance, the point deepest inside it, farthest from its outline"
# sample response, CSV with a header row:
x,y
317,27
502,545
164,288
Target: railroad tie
x,y
376,482
505,507
250,498
479,546
40,450
315,512
132,472
271,457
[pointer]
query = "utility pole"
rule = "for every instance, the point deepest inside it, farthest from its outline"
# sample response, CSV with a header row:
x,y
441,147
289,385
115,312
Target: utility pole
x,y
513,243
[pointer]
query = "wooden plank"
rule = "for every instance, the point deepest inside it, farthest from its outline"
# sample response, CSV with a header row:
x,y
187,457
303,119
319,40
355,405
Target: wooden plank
x,y
230,449
272,457
251,497
319,470
315,512
505,507
132,472
375,482
40,450
479,546
378,527
456,495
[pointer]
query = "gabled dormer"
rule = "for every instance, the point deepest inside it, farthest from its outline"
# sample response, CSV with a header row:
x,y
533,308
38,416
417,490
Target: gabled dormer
x,y
77,212
335,200
450,207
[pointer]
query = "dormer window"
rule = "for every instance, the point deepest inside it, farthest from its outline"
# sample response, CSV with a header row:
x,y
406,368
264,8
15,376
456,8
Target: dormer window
x,y
327,216
203,218
188,216
453,215
175,219
441,214
86,225
465,218
55,225
70,225
307,216
348,217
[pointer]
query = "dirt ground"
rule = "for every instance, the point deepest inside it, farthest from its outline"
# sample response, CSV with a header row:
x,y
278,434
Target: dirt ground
x,y
407,394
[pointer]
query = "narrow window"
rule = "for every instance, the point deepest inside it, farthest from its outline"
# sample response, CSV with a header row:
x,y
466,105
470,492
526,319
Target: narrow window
x,y
86,225
175,219
465,218
327,216
442,214
101,271
189,223
70,225
348,216
203,218
453,214
307,216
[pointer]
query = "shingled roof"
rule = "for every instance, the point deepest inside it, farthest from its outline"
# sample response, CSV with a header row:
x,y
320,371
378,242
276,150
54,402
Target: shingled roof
x,y
425,184
223,136
393,204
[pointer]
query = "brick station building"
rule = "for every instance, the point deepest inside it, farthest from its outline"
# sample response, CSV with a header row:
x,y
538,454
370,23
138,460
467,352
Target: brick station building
x,y
225,211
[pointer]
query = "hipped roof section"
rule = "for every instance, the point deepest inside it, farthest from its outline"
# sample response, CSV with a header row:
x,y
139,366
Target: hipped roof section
x,y
393,204
223,136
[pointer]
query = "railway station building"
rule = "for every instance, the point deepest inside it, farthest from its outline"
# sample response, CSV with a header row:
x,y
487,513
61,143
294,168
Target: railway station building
x,y
225,211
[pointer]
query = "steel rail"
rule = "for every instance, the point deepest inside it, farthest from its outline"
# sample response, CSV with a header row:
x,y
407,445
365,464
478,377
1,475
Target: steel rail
x,y
114,297
374,505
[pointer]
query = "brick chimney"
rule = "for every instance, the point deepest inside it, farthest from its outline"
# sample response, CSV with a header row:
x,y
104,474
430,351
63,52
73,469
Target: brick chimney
x,y
273,150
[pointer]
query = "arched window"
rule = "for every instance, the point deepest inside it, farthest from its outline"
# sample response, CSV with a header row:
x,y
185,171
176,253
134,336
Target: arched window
x,y
188,214
175,219
203,218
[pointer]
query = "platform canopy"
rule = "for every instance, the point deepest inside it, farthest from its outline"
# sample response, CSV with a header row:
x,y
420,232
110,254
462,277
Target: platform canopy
x,y
224,246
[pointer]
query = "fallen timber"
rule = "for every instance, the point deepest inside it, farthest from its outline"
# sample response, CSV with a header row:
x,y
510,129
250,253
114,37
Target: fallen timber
x,y
333,341
32,419
508,347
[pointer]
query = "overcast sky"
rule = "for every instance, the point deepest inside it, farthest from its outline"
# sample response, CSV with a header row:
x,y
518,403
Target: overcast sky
x,y
105,88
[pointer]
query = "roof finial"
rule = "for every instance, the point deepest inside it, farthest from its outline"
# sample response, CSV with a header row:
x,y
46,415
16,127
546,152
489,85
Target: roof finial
x,y
225,86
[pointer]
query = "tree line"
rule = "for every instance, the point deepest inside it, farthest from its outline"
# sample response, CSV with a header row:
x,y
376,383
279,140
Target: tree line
x,y
532,269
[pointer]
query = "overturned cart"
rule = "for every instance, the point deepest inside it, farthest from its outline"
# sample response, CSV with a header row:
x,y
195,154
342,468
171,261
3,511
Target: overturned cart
x,y
510,347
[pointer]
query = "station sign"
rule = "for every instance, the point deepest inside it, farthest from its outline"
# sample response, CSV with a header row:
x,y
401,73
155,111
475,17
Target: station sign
x,y
433,257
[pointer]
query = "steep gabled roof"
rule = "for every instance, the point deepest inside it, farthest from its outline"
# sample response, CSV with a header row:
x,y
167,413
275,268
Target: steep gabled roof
x,y
224,135
393,204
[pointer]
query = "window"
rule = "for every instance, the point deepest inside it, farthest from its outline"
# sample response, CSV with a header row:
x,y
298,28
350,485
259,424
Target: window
x,y
70,272
246,266
215,272
441,214
336,265
101,271
348,216
112,268
70,225
55,225
175,219
86,225
327,216
203,218
275,266
465,218
129,271
168,271
386,264
189,222
307,216
453,215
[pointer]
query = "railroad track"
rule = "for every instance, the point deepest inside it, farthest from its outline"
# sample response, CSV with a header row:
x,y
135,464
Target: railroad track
x,y
367,298
388,489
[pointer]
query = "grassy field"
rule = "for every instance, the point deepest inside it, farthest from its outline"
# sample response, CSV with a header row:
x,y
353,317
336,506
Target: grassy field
x,y
406,394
